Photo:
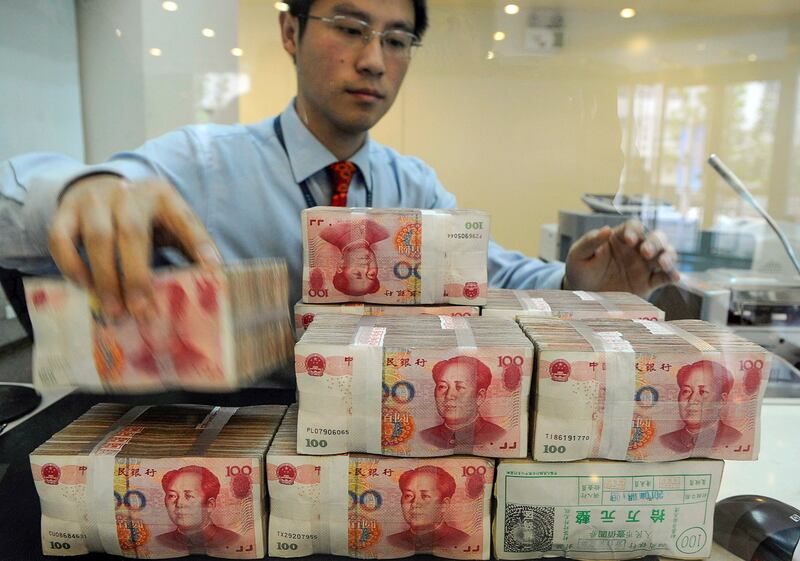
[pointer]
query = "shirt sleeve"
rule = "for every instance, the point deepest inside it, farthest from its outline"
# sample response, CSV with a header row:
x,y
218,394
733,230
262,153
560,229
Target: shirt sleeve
x,y
30,186
507,269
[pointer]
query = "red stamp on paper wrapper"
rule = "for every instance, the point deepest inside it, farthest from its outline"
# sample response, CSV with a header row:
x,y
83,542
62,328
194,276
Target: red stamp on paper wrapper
x,y
560,370
315,364
287,473
51,473
471,290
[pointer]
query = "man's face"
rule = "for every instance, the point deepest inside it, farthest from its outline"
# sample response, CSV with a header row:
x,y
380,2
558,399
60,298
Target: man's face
x,y
186,505
340,80
457,398
360,267
700,399
423,507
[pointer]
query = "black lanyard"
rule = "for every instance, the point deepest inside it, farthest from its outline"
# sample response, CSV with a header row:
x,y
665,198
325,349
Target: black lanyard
x,y
310,200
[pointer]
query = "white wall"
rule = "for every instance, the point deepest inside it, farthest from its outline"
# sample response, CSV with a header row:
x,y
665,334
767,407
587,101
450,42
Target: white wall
x,y
40,106
132,96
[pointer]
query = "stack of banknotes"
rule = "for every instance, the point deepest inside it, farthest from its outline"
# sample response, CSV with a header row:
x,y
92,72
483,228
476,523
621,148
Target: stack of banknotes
x,y
645,391
157,482
395,256
213,330
605,510
567,304
304,313
413,386
376,507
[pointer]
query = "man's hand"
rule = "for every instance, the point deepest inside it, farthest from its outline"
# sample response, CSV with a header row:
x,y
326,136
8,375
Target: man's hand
x,y
623,259
117,223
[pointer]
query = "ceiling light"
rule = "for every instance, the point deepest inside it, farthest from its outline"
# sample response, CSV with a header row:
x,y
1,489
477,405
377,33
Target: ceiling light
x,y
752,57
499,36
170,6
490,55
208,32
627,13
236,51
155,51
118,32
701,46
282,6
511,9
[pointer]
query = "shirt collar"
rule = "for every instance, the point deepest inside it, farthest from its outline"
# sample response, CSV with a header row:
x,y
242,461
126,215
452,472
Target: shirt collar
x,y
307,155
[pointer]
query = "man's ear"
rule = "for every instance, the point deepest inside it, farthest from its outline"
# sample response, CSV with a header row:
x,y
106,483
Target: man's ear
x,y
290,33
211,502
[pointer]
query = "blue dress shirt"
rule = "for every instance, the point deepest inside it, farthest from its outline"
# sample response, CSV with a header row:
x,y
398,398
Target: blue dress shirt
x,y
245,188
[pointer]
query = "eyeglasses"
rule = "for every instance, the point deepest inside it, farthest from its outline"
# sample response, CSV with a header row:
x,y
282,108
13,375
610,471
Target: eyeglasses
x,y
395,43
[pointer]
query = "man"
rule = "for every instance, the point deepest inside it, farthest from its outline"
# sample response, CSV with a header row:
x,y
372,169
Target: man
x,y
190,495
426,495
704,389
461,386
233,192
357,272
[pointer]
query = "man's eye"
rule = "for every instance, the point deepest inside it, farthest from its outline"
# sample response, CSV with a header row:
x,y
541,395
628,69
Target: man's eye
x,y
349,30
397,43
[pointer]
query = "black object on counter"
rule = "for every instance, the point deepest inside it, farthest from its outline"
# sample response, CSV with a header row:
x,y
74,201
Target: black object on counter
x,y
16,401
758,528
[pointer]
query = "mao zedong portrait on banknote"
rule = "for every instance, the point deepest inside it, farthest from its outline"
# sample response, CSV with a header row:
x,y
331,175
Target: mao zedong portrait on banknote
x,y
425,499
190,497
461,386
357,271
704,387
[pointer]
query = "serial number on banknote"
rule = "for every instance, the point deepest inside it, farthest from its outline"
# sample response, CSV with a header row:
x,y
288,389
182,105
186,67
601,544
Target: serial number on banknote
x,y
465,236
66,535
326,431
567,437
294,536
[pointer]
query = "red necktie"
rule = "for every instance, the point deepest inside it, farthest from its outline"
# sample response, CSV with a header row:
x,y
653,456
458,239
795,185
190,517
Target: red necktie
x,y
341,175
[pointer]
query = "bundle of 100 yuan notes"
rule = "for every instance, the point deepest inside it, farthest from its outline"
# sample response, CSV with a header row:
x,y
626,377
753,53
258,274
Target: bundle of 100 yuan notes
x,y
568,304
376,507
213,330
304,313
157,482
641,390
395,256
413,386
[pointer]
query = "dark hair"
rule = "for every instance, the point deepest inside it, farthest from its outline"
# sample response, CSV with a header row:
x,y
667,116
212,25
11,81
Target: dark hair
x,y
209,483
722,377
445,483
301,8
483,375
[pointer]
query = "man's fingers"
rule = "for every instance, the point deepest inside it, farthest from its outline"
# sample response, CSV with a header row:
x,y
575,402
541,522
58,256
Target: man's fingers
x,y
654,243
178,219
133,229
589,243
631,232
97,232
63,236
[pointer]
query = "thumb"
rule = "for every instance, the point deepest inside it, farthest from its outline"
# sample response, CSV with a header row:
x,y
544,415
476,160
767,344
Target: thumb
x,y
589,243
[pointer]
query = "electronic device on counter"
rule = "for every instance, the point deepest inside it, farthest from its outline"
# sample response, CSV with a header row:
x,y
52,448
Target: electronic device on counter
x,y
757,528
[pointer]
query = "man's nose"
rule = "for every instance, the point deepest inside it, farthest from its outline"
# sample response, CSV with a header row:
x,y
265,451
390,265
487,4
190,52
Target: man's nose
x,y
371,58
